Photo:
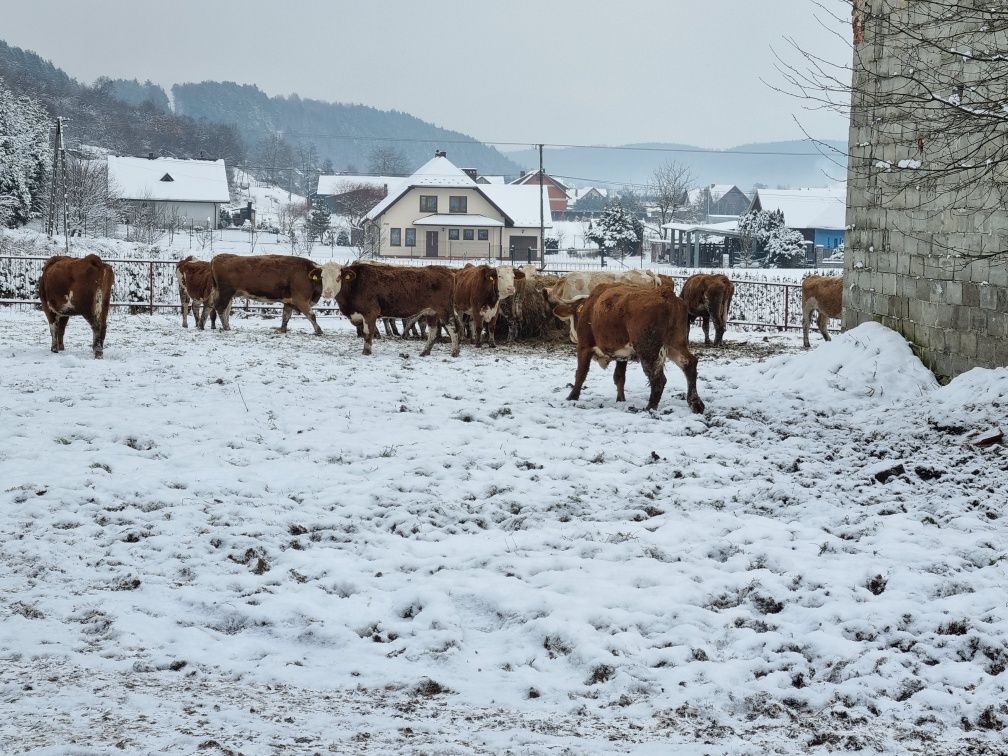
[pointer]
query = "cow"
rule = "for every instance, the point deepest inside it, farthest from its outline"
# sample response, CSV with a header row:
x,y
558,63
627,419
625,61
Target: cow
x,y
577,286
196,289
509,279
825,295
365,293
296,282
623,322
580,284
76,286
708,296
477,296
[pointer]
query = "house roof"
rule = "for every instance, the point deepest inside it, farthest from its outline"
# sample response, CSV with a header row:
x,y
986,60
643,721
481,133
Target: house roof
x,y
337,184
717,191
491,180
576,193
533,177
806,208
520,204
168,179
458,219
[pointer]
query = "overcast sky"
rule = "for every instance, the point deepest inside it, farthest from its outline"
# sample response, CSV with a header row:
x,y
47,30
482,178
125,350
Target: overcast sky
x,y
570,71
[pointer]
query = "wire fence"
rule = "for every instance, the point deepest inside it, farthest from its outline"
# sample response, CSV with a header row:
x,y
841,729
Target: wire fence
x,y
149,286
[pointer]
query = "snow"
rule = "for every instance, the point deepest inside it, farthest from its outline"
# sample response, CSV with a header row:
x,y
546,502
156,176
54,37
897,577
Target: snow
x,y
339,183
807,208
192,180
273,543
267,199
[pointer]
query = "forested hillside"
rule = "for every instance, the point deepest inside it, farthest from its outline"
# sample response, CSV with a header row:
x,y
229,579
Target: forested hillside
x,y
346,135
97,116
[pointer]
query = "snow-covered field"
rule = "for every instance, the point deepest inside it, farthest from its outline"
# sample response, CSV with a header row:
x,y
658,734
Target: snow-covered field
x,y
250,542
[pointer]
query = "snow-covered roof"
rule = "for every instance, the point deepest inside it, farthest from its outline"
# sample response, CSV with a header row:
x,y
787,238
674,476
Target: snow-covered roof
x,y
168,179
458,219
806,208
726,228
533,177
519,203
717,191
575,193
491,180
332,185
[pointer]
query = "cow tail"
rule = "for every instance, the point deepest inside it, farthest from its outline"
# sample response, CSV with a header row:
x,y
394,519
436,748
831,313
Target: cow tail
x,y
726,302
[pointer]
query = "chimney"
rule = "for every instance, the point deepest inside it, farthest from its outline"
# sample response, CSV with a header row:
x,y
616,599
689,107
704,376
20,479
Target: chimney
x,y
440,153
522,175
471,173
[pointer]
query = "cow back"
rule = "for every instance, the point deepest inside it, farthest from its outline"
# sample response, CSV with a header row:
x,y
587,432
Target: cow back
x,y
275,278
73,285
396,291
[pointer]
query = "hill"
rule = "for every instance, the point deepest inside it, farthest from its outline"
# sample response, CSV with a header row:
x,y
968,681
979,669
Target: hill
x,y
343,133
741,165
97,116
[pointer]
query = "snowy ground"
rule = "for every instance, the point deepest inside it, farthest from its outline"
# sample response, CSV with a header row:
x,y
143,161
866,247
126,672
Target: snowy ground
x,y
259,543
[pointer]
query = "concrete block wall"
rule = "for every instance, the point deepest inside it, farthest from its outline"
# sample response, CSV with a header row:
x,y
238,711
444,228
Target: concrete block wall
x,y
917,260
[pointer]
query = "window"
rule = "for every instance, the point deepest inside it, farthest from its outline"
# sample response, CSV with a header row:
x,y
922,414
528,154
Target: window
x,y
452,234
457,204
410,237
483,234
167,177
467,234
395,237
428,203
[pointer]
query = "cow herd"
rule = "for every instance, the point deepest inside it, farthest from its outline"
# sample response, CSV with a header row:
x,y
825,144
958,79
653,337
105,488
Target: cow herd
x,y
612,317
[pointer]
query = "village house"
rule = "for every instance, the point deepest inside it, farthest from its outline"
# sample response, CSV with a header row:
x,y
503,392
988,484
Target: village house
x,y
555,188
341,193
819,214
719,202
186,192
442,212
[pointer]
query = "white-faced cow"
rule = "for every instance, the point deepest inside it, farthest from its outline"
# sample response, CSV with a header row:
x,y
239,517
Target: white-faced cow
x,y
76,286
296,282
623,322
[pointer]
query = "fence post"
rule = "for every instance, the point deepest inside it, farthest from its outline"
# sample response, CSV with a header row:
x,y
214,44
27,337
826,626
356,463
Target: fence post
x,y
150,284
787,290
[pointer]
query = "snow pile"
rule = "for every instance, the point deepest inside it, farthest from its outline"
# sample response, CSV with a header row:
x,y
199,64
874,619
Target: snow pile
x,y
868,361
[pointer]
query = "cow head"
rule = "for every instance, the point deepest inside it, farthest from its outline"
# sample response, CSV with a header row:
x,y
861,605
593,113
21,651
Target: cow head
x,y
506,276
332,279
571,312
179,265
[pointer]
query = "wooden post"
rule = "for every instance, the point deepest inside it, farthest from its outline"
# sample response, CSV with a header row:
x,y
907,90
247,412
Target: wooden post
x,y
787,290
542,222
150,284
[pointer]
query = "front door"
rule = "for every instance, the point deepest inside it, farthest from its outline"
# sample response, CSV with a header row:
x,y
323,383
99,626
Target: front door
x,y
432,243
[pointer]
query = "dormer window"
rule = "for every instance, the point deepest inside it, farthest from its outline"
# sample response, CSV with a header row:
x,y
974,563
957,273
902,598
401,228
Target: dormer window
x,y
167,177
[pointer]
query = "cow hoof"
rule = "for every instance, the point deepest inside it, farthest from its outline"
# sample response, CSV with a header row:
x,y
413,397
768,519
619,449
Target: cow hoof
x,y
696,405
54,350
185,325
426,353
455,353
98,355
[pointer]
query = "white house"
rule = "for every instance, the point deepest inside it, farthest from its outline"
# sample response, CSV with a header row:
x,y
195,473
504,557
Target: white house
x,y
442,212
190,191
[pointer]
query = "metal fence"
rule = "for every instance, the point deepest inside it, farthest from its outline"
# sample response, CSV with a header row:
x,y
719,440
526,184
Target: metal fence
x,y
150,285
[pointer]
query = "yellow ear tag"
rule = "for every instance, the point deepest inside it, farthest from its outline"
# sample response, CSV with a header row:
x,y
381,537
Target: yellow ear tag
x,y
579,308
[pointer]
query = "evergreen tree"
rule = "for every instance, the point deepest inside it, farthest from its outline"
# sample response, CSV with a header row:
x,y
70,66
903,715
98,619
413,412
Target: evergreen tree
x,y
318,221
617,232
24,157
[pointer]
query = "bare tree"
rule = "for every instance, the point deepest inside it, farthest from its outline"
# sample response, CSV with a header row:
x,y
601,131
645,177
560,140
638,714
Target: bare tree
x,y
369,241
354,200
387,161
147,219
929,118
669,189
92,201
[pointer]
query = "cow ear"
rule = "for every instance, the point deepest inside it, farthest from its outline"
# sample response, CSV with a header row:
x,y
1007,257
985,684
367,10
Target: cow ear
x,y
349,275
519,273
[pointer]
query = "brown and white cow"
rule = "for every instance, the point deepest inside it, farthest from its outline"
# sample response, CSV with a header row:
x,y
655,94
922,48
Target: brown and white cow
x,y
580,284
476,296
296,282
708,296
823,294
196,290
623,322
366,292
76,286
509,278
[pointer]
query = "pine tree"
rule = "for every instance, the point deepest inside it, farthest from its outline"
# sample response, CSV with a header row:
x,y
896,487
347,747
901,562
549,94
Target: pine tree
x,y
318,221
617,232
24,157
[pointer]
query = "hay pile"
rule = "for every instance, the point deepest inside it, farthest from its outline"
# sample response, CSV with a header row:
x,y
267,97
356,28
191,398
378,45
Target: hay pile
x,y
526,315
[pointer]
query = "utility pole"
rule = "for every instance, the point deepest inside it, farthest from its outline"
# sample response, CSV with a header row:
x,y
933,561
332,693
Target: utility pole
x,y
57,143
542,220
63,182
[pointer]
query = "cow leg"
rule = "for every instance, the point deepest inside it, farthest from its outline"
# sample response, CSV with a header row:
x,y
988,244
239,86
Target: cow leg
x,y
369,323
823,321
719,324
619,378
433,326
213,316
387,327
491,326
288,310
583,363
687,362
52,319
477,326
705,318
452,326
223,307
807,306
306,310
186,304
61,326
